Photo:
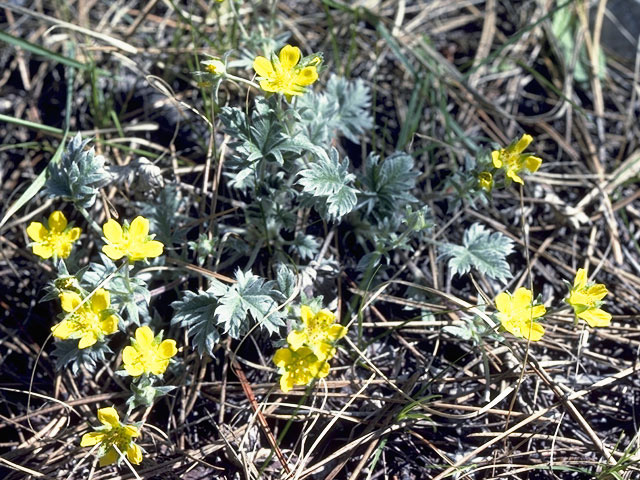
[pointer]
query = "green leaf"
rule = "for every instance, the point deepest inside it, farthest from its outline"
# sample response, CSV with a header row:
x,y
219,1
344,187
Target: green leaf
x,y
330,178
78,175
389,182
482,250
250,295
195,312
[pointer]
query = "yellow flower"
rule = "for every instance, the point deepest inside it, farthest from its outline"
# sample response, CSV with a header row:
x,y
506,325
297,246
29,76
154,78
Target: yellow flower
x,y
298,367
517,314
513,161
147,354
133,241
54,241
215,66
586,298
485,180
319,333
112,435
91,322
283,74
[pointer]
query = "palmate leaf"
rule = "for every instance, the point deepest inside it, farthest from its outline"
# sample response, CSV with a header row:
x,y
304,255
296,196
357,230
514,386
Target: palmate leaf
x,y
251,295
389,182
195,312
482,250
263,136
230,309
330,178
78,175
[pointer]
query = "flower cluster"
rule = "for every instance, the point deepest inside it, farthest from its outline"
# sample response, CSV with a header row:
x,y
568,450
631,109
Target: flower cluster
x,y
89,321
586,298
114,438
511,160
287,73
148,353
517,314
55,241
310,348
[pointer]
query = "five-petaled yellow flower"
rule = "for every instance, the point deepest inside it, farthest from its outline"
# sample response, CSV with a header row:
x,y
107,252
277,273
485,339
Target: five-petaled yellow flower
x,y
513,161
319,333
517,314
133,241
90,322
147,354
485,180
298,367
283,74
54,241
112,435
586,298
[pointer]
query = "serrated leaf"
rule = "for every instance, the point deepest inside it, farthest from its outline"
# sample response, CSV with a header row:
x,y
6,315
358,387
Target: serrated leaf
x,y
67,353
250,295
78,175
286,282
482,250
330,178
305,245
195,312
389,182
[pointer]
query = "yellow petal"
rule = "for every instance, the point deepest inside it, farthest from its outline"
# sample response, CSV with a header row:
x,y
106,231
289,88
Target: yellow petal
x,y
532,331
289,57
522,298
532,163
503,302
597,292
64,329
306,314
538,311
336,332
139,228
307,76
74,234
113,232
581,279
286,382
151,249
114,252
495,157
43,250
109,325
514,176
109,458
596,317
144,337
88,339
159,367
100,300
268,86
263,67
129,355
522,144
296,339
37,232
323,351
282,357
131,431
324,371
167,348
91,439
134,454
109,416
134,369
69,301
57,222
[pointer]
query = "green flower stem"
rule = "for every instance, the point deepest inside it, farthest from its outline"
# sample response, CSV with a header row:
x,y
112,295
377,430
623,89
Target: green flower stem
x,y
92,223
242,80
